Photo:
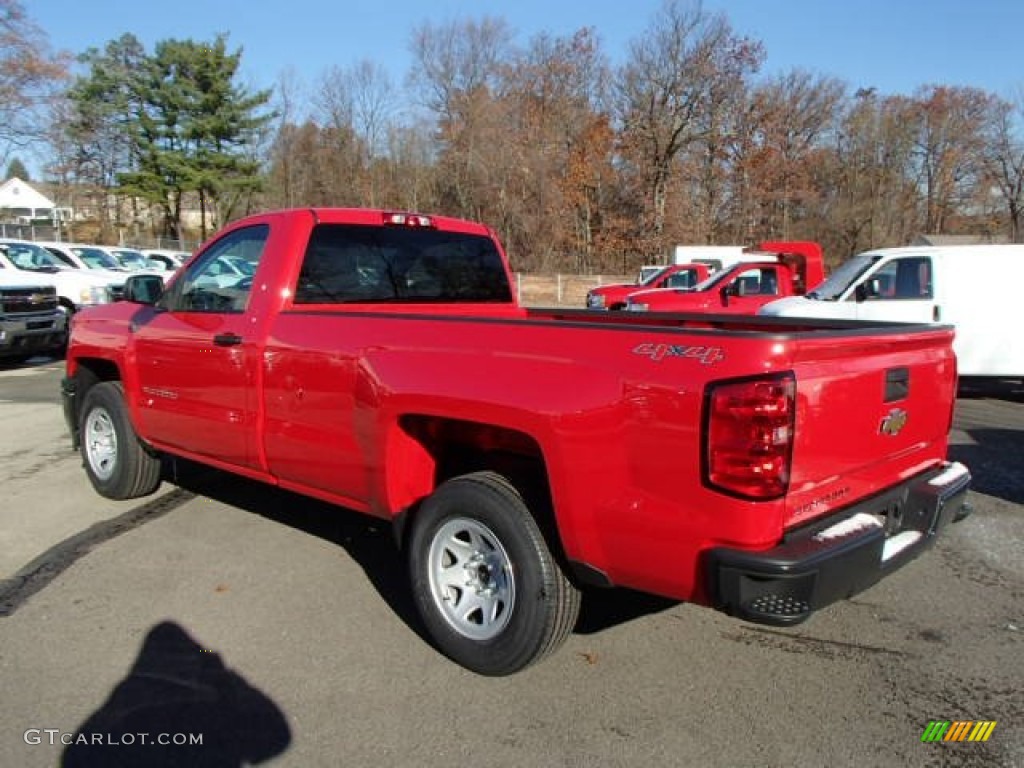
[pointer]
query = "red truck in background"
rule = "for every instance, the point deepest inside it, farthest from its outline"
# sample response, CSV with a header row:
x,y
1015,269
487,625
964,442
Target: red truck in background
x,y
788,268
673,276
378,361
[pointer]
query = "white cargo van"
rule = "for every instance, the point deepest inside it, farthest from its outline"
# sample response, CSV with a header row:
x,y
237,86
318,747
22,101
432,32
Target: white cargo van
x,y
979,289
716,257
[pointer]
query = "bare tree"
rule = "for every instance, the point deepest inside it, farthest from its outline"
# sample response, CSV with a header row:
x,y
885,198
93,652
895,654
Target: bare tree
x,y
553,95
949,149
793,113
456,74
283,165
1004,161
685,57
29,75
867,194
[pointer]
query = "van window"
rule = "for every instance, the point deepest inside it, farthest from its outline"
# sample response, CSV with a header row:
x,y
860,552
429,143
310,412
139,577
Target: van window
x,y
909,278
346,263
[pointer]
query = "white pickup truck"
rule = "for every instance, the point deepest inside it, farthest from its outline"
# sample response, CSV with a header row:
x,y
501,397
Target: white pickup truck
x,y
76,288
31,322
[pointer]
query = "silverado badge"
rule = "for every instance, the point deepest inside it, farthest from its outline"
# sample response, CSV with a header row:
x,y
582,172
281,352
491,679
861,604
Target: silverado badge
x,y
894,421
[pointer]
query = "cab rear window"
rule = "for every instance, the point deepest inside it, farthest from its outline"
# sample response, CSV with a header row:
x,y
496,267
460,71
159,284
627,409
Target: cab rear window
x,y
350,263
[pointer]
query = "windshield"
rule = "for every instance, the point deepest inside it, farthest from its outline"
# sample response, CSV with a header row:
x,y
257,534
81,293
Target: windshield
x,y
95,258
131,259
653,276
714,280
834,287
31,256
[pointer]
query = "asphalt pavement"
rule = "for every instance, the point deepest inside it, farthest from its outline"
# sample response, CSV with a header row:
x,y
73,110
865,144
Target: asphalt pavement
x,y
276,630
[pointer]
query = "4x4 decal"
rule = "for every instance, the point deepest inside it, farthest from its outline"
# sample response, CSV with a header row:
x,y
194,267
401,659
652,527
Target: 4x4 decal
x,y
658,352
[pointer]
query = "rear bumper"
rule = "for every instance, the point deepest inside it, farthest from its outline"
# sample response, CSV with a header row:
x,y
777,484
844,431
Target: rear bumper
x,y
836,558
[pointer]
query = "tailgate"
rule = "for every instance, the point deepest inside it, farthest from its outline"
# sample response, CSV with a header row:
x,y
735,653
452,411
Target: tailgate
x,y
873,409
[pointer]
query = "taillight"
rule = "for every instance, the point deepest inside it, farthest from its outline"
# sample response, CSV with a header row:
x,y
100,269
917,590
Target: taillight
x,y
748,435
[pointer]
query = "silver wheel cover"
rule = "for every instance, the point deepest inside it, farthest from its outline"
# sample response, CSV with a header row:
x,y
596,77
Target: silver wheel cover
x,y
100,441
471,578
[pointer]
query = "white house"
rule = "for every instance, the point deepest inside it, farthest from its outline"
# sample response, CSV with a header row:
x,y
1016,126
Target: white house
x,y
21,202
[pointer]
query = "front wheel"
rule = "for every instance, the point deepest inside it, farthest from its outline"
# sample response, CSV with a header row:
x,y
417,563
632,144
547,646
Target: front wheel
x,y
118,465
491,594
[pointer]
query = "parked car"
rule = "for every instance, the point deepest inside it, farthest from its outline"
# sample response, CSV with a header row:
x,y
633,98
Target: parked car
x,y
169,260
673,276
133,260
82,256
76,288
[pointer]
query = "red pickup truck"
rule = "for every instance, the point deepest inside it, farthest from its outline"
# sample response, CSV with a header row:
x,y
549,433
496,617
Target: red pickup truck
x,y
787,269
378,360
673,276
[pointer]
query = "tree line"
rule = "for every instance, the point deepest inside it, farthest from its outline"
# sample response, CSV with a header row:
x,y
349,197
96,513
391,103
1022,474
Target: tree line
x,y
577,164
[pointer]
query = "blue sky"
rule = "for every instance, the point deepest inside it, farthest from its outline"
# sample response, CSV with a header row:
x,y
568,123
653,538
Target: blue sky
x,y
892,45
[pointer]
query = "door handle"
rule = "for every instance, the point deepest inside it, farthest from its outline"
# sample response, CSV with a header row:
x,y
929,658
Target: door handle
x,y
227,339
936,313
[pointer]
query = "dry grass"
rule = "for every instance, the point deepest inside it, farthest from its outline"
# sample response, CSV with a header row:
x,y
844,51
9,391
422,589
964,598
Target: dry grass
x,y
561,290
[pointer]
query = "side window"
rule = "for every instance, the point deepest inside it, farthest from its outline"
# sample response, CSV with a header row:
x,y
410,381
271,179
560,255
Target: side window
x,y
222,278
681,279
909,278
748,283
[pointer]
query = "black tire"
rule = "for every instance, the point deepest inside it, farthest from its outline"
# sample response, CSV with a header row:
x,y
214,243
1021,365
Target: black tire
x,y
118,465
488,589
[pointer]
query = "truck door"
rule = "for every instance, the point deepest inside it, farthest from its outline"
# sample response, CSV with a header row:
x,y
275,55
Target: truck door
x,y
900,289
751,289
197,354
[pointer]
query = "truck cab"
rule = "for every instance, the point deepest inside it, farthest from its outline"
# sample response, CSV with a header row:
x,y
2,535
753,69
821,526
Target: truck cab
x,y
785,269
968,286
680,276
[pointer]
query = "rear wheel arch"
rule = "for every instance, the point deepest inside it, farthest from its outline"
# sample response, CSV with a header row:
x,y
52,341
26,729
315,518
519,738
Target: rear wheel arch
x,y
425,451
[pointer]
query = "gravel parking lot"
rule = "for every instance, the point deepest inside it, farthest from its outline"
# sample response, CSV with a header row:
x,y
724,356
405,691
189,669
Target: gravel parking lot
x,y
279,631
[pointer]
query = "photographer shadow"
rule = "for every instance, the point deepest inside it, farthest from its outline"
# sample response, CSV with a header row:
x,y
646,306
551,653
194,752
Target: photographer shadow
x,y
180,705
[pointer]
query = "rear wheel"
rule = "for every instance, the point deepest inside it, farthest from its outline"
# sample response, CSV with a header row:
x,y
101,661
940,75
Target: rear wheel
x,y
117,463
488,589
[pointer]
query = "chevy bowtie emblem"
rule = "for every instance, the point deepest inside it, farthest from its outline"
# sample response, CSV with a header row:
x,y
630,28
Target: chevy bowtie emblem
x,y
38,298
893,422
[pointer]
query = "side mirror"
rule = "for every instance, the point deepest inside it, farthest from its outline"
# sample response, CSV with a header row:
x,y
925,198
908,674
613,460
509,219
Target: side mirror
x,y
143,289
